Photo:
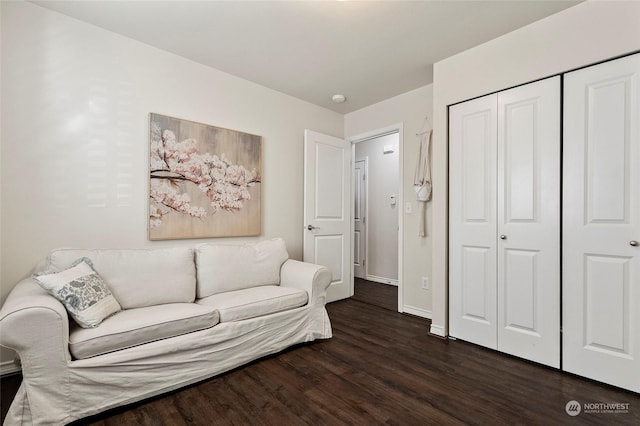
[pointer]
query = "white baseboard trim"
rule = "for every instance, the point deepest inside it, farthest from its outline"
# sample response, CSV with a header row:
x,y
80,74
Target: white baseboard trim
x,y
419,312
9,367
438,330
382,280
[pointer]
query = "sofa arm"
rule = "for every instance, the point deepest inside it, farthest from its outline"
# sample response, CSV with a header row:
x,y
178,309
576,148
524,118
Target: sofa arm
x,y
315,279
35,324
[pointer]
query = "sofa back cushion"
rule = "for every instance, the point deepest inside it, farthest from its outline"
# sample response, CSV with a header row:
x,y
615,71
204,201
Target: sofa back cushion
x,y
222,267
139,278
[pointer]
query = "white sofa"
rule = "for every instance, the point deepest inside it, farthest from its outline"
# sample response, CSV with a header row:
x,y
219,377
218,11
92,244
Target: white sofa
x,y
187,315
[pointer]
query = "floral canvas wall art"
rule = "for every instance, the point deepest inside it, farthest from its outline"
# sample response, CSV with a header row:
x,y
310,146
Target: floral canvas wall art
x,y
204,181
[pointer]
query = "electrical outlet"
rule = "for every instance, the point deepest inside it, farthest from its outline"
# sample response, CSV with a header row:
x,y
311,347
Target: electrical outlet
x,y
425,283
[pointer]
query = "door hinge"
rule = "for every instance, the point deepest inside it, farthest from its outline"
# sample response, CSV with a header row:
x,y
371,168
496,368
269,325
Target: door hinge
x,y
364,219
363,262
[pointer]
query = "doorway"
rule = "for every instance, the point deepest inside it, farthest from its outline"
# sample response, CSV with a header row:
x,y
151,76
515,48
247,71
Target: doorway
x,y
376,218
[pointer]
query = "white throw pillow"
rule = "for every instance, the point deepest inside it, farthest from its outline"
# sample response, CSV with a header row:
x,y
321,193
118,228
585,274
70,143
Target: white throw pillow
x,y
222,268
82,291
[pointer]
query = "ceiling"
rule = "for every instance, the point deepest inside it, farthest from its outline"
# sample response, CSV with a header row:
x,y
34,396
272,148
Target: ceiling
x,y
367,51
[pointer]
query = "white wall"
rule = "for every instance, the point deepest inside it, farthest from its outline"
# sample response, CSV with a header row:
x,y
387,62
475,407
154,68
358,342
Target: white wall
x,y
75,134
382,218
409,109
589,32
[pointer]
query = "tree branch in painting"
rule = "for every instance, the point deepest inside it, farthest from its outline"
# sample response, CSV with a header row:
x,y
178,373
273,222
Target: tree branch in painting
x,y
175,164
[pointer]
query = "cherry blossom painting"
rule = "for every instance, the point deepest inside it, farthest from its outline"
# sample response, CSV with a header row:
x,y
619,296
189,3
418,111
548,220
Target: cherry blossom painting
x,y
204,181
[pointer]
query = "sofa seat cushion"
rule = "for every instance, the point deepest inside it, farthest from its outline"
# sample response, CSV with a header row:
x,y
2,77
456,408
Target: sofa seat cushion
x,y
134,327
254,302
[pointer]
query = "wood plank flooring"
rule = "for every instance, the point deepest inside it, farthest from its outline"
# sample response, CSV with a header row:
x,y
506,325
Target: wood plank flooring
x,y
380,367
382,295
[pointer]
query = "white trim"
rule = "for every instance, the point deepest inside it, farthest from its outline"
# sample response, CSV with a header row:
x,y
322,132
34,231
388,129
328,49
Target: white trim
x,y
382,280
438,330
9,367
352,215
419,312
365,224
399,128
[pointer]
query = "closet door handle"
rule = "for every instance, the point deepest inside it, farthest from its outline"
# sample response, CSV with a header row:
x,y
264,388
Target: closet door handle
x,y
503,237
633,243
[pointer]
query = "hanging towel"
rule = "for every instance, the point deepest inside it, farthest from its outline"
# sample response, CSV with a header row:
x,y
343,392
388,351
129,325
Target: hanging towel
x,y
422,178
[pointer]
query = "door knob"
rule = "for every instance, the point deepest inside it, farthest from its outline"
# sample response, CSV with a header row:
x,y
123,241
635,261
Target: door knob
x,y
311,227
503,237
633,243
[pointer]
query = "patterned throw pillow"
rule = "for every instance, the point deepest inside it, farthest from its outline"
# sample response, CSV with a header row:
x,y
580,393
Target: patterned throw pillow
x,y
82,291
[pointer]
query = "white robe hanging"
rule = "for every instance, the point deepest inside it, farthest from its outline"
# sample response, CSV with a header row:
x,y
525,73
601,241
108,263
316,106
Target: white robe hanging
x,y
422,178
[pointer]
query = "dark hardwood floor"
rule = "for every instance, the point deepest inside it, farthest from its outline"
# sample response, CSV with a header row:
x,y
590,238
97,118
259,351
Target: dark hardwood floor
x,y
380,367
377,294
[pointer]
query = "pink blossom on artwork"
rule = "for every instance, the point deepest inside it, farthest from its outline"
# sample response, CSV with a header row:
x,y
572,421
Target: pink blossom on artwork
x,y
176,163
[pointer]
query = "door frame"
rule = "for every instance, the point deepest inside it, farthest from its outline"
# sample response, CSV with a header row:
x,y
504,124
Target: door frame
x,y
365,224
361,137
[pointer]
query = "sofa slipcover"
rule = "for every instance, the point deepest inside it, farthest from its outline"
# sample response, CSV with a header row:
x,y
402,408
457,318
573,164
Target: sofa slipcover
x,y
59,388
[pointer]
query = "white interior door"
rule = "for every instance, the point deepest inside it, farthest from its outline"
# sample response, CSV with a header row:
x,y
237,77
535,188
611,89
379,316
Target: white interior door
x,y
504,221
472,221
359,219
327,209
528,247
601,228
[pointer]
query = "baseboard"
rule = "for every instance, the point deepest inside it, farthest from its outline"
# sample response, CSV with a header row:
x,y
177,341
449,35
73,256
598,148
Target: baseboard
x,y
382,280
8,368
419,312
438,331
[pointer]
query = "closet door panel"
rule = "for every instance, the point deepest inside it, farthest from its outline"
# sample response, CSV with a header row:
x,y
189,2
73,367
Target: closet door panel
x,y
601,261
528,249
472,227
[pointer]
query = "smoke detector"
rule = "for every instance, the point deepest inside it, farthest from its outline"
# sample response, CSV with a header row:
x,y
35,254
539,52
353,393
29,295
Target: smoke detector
x,y
339,98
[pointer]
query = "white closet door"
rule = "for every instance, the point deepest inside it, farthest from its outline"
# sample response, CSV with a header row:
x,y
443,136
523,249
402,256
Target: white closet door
x,y
601,261
472,221
528,248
